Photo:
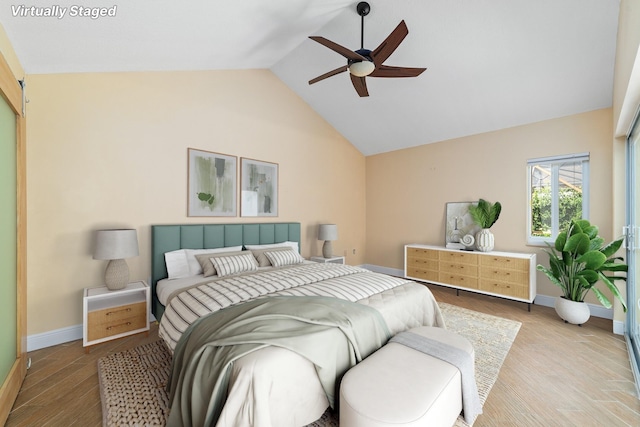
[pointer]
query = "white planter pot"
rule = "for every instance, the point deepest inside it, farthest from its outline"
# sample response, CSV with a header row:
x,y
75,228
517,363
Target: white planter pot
x,y
484,240
572,311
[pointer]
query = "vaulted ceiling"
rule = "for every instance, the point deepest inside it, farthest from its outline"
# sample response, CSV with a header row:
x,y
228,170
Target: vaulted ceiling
x,y
491,64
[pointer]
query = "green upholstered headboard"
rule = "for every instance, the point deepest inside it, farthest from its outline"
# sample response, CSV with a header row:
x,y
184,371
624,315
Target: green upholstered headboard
x,y
166,238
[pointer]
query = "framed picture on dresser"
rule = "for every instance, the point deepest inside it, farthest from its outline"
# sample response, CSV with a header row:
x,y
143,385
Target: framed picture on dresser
x,y
459,222
213,184
258,188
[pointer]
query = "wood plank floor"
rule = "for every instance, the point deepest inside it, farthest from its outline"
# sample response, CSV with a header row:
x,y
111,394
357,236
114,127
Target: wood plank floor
x,y
556,374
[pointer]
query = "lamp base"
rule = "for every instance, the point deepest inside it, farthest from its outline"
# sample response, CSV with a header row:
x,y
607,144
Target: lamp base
x,y
327,249
116,276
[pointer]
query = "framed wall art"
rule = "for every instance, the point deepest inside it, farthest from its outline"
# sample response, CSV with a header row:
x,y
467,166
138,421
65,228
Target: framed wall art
x,y
459,223
213,184
258,188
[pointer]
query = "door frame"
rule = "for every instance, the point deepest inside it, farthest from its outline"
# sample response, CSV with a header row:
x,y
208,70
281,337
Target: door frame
x,y
11,91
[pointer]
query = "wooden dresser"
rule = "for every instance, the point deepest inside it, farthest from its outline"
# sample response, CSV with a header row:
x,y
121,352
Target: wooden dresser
x,y
503,274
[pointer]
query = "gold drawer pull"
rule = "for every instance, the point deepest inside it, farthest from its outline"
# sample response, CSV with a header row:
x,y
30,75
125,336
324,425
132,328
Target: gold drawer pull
x,y
109,313
117,326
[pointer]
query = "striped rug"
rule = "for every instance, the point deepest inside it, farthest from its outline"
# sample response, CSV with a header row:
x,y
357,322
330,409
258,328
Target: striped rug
x,y
132,382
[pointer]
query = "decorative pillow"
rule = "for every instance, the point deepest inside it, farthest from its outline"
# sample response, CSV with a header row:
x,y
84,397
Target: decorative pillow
x,y
290,244
194,266
177,265
281,258
207,266
228,265
263,261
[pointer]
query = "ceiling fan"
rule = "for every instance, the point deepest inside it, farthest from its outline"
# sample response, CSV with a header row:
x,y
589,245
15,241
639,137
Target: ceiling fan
x,y
364,62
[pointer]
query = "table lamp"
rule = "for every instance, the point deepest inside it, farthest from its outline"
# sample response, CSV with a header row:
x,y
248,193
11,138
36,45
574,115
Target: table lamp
x,y
327,232
115,246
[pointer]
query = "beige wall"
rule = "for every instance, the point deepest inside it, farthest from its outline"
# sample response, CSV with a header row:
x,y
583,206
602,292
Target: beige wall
x,y
407,190
110,150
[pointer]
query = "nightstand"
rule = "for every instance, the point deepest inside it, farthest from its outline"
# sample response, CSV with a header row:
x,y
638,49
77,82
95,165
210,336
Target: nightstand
x,y
108,315
333,260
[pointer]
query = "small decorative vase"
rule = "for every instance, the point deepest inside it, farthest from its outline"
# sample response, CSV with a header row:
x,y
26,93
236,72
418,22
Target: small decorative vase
x,y
574,312
484,240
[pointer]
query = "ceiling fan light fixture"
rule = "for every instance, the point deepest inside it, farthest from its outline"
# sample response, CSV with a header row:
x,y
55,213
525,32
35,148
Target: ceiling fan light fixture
x,y
362,68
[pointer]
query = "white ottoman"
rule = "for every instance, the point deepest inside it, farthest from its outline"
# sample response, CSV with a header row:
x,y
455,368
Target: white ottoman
x,y
402,387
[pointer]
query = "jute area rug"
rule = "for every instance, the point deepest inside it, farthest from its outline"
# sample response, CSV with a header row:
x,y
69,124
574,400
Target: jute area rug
x,y
132,383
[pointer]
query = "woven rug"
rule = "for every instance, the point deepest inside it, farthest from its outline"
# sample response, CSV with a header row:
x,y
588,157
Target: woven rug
x,y
132,382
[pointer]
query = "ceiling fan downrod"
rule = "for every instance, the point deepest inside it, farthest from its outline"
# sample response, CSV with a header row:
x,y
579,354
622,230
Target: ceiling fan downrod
x,y
363,9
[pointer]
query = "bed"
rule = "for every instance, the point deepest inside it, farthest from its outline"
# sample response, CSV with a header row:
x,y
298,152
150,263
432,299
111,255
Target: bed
x,y
270,385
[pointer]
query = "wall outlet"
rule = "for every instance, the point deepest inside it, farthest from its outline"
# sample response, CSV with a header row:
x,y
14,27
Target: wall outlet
x,y
354,251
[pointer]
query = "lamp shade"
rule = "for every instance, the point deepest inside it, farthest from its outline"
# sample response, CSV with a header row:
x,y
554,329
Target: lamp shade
x,y
116,244
328,232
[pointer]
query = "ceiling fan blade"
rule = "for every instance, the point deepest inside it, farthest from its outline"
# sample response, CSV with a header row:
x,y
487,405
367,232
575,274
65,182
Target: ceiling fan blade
x,y
329,74
389,45
389,71
360,85
347,53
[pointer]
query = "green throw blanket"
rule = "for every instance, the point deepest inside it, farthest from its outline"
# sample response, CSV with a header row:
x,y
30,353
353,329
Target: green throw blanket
x,y
333,334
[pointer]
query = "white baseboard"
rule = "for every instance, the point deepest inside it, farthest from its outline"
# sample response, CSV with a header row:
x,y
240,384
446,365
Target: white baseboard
x,y
58,336
543,300
51,338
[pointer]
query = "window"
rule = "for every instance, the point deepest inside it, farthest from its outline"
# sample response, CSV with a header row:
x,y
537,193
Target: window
x,y
558,193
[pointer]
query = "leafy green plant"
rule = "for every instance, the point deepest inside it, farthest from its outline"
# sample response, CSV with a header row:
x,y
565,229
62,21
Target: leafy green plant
x,y
206,197
485,214
579,259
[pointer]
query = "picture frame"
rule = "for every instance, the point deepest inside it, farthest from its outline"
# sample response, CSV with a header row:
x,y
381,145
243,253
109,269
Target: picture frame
x,y
213,184
258,188
459,223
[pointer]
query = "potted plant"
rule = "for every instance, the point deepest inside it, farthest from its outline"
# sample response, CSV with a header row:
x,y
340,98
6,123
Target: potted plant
x,y
577,261
485,214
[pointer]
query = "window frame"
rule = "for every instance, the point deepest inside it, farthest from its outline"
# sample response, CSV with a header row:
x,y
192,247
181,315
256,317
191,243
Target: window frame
x,y
555,162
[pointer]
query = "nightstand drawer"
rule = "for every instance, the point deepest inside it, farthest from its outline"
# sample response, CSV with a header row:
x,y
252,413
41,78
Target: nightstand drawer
x,y
116,320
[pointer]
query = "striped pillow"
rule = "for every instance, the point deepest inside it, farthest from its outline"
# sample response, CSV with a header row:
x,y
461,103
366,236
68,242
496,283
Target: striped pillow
x,y
207,266
228,265
262,259
281,258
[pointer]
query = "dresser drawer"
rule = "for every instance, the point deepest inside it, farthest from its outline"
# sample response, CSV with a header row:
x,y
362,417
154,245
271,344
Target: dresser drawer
x,y
459,257
463,269
458,280
504,288
517,277
519,264
422,274
422,253
116,320
429,264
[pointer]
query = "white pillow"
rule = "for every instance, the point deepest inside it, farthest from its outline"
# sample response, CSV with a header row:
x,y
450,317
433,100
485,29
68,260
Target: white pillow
x,y
194,265
281,258
177,265
293,245
228,265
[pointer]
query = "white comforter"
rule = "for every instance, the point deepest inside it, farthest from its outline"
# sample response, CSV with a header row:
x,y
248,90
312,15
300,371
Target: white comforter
x,y
275,387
